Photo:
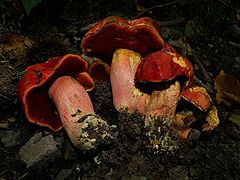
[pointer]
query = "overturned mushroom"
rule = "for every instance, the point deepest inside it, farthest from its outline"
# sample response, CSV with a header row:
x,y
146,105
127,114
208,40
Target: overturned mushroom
x,y
38,107
33,88
141,35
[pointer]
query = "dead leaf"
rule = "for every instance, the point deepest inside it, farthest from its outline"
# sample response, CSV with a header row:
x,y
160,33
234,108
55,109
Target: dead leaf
x,y
15,44
228,89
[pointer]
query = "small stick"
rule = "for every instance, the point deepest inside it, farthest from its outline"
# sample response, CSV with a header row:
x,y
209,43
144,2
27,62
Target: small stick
x,y
88,27
201,67
234,44
158,6
2,56
171,22
5,97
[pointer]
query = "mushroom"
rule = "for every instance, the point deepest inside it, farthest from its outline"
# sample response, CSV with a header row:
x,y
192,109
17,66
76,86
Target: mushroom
x,y
126,96
36,103
33,88
162,68
141,35
85,129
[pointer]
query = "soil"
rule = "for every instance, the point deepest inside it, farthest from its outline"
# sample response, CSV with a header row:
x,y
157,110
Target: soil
x,y
54,28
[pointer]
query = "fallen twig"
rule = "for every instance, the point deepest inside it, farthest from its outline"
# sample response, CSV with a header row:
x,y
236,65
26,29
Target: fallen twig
x,y
171,22
201,68
5,97
2,149
158,6
88,27
2,56
234,44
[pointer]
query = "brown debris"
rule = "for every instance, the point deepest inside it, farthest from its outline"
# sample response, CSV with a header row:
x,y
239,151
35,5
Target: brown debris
x,y
228,89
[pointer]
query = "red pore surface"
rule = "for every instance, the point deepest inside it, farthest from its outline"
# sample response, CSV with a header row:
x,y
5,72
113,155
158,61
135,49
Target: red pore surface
x,y
99,70
140,35
86,80
33,88
163,66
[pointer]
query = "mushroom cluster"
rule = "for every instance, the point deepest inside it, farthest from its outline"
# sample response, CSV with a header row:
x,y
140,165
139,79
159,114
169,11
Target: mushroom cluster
x,y
147,76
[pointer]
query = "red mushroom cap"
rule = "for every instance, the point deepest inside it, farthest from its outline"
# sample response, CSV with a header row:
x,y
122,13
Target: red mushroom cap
x,y
163,66
141,35
198,96
34,85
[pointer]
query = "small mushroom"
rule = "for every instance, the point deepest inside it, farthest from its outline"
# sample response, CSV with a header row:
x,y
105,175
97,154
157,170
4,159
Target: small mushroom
x,y
140,35
160,69
198,96
160,103
35,83
85,129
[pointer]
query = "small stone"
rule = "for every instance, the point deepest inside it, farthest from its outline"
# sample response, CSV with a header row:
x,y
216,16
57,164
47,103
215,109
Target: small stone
x,y
69,152
233,129
6,123
63,174
178,172
10,138
39,151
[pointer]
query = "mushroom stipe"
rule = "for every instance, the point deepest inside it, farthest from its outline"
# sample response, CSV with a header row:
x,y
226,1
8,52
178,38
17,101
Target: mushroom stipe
x,y
86,130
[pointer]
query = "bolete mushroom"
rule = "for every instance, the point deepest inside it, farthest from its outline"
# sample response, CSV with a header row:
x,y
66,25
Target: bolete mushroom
x,y
126,97
140,35
37,105
160,103
33,88
168,66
